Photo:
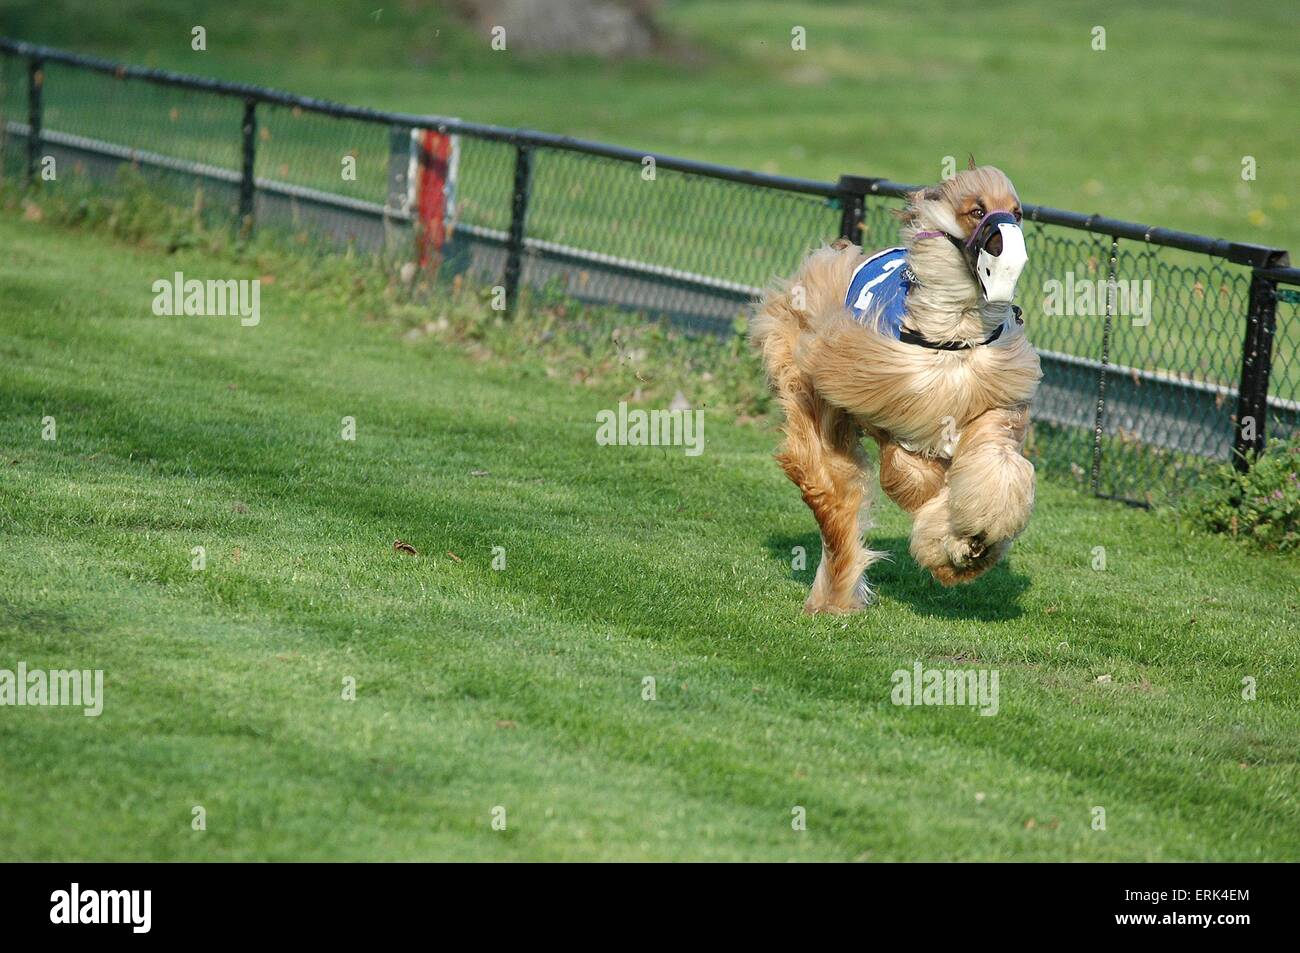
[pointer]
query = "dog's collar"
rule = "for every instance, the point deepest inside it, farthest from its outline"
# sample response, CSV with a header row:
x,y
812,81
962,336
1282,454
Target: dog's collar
x,y
956,242
908,336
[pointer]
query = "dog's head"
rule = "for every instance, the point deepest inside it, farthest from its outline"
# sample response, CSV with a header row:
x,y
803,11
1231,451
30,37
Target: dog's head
x,y
978,212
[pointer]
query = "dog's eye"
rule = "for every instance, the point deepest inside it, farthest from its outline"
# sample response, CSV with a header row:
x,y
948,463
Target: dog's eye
x,y
976,212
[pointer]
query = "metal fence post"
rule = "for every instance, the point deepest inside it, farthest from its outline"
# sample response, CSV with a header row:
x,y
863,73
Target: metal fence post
x,y
1256,362
518,213
853,190
247,180
35,110
1099,420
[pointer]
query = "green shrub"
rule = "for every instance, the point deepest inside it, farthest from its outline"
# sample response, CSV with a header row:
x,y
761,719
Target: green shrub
x,y
1261,506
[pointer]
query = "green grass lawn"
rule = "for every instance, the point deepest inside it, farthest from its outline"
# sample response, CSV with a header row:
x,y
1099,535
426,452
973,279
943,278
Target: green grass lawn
x,y
522,688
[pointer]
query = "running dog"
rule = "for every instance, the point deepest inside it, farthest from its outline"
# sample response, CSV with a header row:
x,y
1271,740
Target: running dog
x,y
920,348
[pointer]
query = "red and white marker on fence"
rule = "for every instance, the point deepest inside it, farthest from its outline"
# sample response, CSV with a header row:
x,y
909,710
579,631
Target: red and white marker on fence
x,y
431,191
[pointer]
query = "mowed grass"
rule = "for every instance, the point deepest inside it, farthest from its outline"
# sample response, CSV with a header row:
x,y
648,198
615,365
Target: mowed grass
x,y
523,688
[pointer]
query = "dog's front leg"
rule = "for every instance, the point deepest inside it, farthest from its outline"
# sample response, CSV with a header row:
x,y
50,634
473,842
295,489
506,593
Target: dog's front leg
x,y
965,529
937,547
990,483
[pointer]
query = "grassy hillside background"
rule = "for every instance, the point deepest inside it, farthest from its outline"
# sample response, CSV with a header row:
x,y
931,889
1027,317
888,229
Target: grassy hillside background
x,y
1152,129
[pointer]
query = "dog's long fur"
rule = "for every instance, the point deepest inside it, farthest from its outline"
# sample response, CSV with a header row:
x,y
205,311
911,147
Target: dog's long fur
x,y
837,379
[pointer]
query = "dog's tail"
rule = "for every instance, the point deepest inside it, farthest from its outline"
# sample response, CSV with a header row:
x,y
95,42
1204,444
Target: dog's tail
x,y
787,309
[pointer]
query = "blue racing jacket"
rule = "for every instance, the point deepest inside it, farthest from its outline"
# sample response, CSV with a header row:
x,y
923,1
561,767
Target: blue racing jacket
x,y
879,286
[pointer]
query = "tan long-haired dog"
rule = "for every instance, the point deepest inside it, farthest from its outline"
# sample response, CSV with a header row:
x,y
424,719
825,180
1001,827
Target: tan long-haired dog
x,y
920,348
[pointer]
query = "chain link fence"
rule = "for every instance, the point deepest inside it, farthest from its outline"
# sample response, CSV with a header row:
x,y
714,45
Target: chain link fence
x,y
1162,351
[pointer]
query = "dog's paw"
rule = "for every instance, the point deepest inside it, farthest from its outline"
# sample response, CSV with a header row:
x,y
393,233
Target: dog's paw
x,y
979,557
826,607
964,550
861,597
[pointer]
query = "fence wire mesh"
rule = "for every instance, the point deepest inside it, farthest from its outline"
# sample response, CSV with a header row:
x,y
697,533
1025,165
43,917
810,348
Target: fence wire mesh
x,y
1284,379
1142,345
104,131
692,247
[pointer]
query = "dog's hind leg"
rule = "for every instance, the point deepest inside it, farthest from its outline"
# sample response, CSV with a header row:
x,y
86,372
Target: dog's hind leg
x,y
822,455
909,479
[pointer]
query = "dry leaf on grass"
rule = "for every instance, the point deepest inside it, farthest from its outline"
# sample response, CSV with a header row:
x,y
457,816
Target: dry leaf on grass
x,y
401,547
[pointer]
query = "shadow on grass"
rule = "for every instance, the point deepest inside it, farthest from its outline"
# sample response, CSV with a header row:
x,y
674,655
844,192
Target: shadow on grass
x,y
995,596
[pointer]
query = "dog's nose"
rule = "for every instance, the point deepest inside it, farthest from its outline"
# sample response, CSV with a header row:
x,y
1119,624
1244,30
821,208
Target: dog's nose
x,y
988,237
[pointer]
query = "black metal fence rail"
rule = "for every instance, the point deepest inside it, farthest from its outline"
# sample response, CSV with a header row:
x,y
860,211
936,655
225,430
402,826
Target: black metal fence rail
x,y
1209,373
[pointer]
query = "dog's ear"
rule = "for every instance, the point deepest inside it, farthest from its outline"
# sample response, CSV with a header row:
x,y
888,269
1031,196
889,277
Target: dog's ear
x,y
970,161
909,212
